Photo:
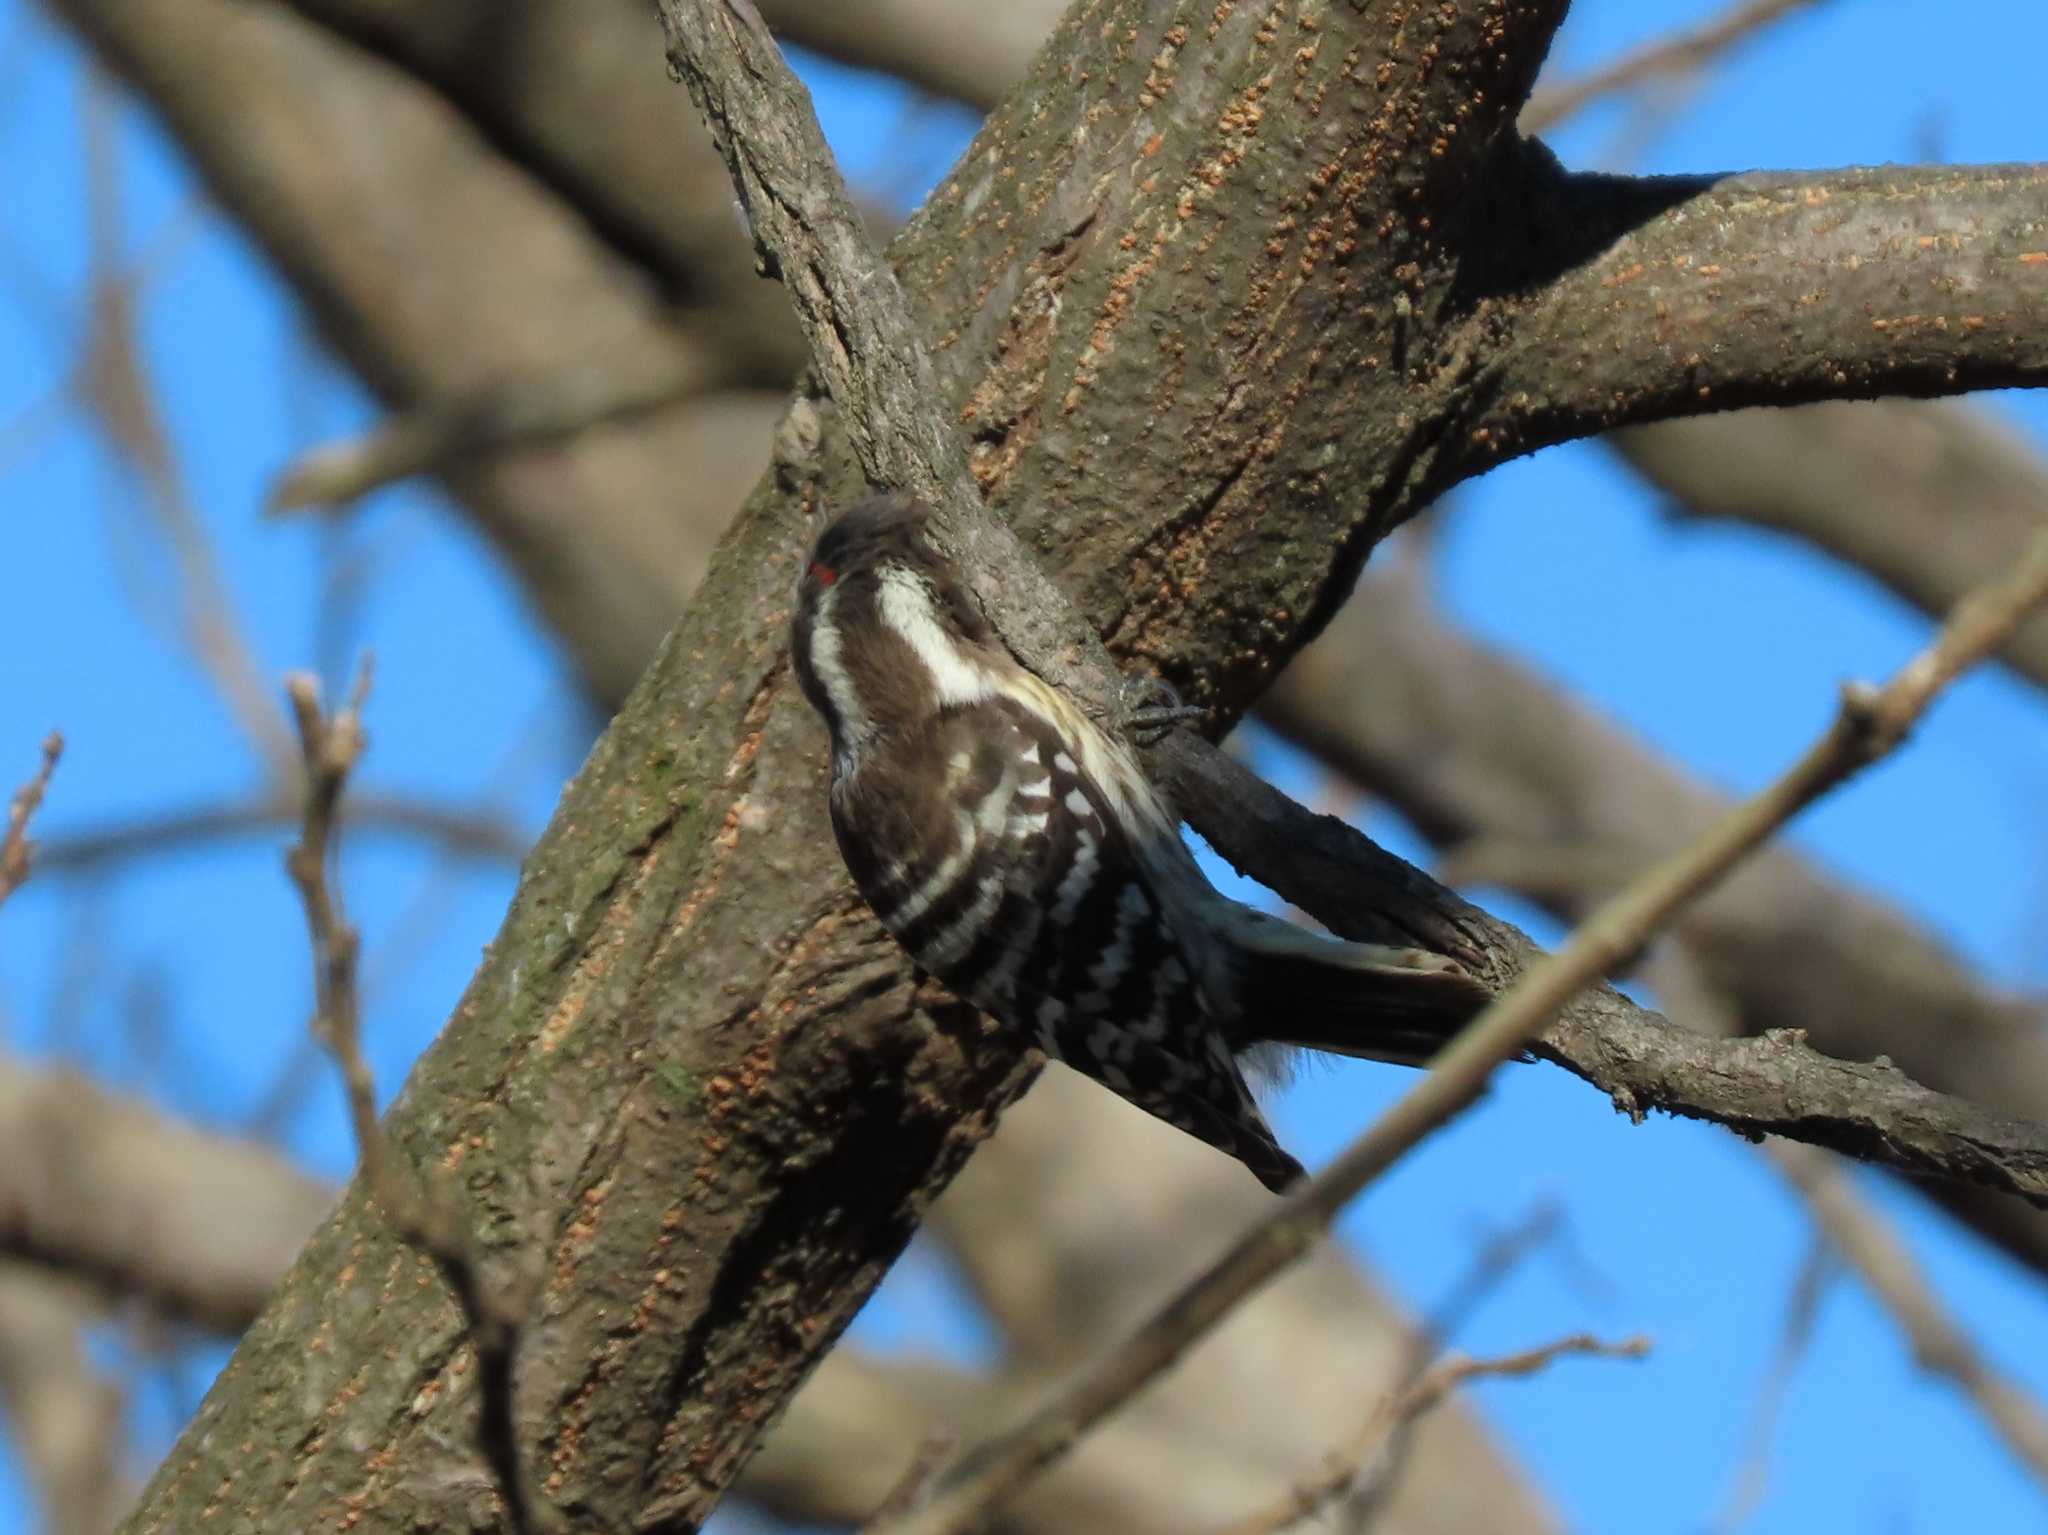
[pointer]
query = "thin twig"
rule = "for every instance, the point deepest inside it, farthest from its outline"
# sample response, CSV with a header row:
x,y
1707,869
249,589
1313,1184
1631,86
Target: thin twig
x,y
16,851
1882,1262
1869,724
1802,1310
456,831
425,1217
528,413
1497,1257
1343,1467
1668,56
114,383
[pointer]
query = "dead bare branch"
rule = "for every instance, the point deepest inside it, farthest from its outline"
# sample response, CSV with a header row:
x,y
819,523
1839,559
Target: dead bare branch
x,y
425,1216
1343,1467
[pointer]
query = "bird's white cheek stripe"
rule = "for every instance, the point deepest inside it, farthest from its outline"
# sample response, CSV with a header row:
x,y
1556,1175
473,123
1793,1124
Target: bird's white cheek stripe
x,y
906,606
854,725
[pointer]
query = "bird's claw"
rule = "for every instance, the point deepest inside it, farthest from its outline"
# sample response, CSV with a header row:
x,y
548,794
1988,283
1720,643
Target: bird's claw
x,y
1148,708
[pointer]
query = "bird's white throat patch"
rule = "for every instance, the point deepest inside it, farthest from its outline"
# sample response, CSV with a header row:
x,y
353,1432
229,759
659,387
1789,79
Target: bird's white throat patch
x,y
907,607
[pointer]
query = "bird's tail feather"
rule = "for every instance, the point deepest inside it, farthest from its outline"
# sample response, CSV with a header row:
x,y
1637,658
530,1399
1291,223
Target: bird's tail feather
x,y
1360,999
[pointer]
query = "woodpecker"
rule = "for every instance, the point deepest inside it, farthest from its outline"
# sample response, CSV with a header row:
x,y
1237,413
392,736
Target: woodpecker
x,y
1014,847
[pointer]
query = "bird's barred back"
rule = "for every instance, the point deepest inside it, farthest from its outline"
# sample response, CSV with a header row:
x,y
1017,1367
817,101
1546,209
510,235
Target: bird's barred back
x,y
1009,874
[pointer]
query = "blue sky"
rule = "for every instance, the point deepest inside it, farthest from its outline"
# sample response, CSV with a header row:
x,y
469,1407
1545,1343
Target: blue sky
x,y
1722,647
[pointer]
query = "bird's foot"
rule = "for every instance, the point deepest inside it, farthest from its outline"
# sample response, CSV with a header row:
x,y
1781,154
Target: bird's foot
x,y
1148,708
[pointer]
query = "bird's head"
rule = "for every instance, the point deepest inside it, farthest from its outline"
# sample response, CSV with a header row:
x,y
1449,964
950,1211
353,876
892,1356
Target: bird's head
x,y
886,632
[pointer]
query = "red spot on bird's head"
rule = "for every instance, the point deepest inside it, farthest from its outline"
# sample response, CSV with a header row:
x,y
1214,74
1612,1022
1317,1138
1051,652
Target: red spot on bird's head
x,y
822,573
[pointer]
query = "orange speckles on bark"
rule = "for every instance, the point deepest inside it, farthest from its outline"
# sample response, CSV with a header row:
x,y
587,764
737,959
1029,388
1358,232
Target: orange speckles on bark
x,y
719,1090
423,1400
1624,277
1152,145
562,1020
581,1233
2034,258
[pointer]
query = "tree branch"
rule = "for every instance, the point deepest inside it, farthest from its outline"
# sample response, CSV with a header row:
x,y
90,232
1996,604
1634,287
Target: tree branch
x,y
1869,725
965,50
194,1225
1677,297
1472,747
568,91
807,234
1775,1084
682,954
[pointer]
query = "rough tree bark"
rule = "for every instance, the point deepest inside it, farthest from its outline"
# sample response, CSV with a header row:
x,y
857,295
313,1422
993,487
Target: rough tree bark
x,y
1223,252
